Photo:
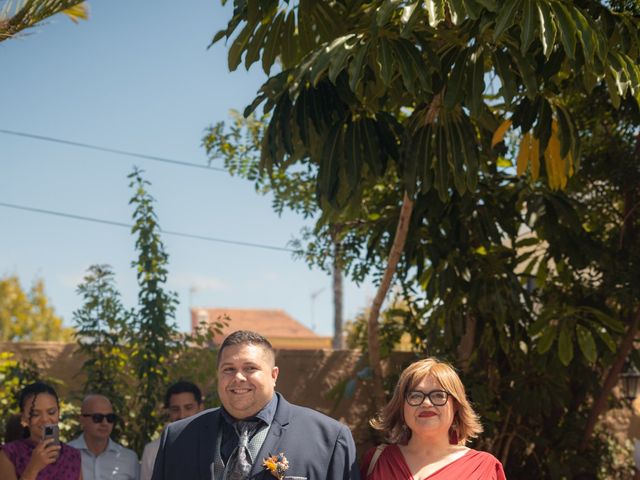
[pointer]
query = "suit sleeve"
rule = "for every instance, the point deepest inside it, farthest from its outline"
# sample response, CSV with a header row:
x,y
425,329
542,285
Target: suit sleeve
x,y
343,461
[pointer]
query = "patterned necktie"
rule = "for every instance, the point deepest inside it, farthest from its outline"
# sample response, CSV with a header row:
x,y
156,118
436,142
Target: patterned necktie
x,y
240,462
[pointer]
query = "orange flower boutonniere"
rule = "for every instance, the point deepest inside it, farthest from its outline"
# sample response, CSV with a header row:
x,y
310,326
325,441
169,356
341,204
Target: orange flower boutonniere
x,y
277,465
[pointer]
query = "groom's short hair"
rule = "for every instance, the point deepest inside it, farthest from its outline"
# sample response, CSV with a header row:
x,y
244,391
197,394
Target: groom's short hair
x,y
247,337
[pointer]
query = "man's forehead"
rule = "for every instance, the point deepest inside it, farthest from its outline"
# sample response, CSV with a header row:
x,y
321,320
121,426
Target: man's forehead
x,y
182,398
246,353
97,402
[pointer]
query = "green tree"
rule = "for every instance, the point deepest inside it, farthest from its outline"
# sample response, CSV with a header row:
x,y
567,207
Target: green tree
x,y
239,147
103,331
14,375
133,355
28,316
155,334
368,88
445,136
22,15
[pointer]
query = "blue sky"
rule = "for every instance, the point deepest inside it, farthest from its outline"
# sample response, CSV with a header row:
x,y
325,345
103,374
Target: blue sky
x,y
137,76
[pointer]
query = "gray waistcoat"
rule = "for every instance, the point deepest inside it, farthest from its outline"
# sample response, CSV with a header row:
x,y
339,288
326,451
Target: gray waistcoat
x,y
218,468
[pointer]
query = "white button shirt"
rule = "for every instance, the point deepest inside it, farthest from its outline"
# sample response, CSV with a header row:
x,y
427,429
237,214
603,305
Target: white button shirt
x,y
148,459
115,463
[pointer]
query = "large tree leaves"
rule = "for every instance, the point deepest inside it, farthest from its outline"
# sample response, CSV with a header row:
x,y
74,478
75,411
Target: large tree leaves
x,y
412,56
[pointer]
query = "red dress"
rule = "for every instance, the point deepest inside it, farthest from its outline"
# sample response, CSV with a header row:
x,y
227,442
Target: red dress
x,y
473,465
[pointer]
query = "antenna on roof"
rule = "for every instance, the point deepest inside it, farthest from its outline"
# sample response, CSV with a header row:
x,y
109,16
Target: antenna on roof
x,y
314,295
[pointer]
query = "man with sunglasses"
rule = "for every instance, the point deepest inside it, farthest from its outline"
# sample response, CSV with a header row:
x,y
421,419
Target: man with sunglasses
x,y
102,458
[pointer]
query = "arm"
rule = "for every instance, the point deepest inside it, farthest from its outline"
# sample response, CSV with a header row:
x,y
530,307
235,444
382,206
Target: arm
x,y
146,463
135,466
7,470
343,460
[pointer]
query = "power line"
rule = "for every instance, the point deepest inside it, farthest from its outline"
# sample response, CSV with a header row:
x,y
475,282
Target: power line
x,y
110,150
127,225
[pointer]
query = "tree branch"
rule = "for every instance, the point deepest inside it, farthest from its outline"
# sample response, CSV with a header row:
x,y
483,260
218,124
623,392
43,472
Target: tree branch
x,y
394,257
611,379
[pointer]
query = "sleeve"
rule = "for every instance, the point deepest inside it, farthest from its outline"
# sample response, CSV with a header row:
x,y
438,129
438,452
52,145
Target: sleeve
x,y
146,462
499,471
343,461
134,465
10,451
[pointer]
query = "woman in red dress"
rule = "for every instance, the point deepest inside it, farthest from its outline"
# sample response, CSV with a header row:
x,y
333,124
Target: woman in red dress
x,y
427,424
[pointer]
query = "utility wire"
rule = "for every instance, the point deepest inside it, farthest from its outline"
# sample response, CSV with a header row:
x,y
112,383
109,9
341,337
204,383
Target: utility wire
x,y
110,150
127,225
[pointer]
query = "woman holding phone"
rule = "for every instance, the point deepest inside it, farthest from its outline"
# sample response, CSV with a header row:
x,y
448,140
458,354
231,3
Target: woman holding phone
x,y
40,455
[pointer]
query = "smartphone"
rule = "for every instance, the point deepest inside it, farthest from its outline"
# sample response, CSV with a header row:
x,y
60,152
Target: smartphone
x,y
52,431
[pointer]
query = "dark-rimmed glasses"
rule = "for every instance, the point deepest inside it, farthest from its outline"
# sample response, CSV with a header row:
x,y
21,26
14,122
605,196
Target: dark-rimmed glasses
x,y
438,398
99,417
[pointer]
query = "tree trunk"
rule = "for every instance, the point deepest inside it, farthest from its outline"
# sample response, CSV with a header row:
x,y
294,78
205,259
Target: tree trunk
x,y
394,257
627,239
338,339
611,379
467,343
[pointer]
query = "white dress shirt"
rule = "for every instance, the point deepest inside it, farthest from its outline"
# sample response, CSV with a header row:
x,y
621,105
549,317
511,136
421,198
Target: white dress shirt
x,y
115,463
148,459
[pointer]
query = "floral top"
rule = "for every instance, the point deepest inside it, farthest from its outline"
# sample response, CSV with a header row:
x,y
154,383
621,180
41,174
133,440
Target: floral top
x,y
66,467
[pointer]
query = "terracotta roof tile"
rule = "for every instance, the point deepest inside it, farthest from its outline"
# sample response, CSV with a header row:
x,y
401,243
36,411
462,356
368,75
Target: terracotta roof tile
x,y
270,323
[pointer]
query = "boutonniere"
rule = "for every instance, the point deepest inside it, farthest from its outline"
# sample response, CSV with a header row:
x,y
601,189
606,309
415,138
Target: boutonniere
x,y
277,465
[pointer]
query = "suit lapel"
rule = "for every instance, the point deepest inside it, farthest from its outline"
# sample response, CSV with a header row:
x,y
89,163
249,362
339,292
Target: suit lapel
x,y
274,438
206,445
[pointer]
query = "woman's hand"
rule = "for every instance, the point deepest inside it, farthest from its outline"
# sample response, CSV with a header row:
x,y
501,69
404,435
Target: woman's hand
x,y
44,454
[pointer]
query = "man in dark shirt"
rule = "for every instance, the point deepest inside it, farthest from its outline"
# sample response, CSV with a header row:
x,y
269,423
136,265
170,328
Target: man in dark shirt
x,y
256,434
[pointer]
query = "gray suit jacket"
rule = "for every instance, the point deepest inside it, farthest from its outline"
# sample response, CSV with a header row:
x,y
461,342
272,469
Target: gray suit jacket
x,y
316,446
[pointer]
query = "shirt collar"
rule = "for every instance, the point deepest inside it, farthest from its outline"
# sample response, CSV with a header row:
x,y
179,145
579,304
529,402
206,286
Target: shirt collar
x,y
265,415
81,443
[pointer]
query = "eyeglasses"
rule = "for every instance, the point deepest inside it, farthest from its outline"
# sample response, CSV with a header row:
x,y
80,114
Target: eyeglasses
x,y
437,398
99,417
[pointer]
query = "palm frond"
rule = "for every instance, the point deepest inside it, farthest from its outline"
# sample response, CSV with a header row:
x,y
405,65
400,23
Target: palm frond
x,y
18,16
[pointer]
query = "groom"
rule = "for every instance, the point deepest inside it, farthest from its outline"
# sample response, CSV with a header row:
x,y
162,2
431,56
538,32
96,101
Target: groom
x,y
256,434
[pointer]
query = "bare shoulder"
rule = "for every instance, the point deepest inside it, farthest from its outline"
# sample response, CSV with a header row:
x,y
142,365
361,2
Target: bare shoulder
x,y
7,470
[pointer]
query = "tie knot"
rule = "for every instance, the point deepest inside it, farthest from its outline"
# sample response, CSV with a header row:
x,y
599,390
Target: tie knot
x,y
245,428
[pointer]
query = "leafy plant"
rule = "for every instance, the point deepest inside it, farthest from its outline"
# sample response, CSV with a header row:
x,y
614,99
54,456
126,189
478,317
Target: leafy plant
x,y
103,332
14,375
155,334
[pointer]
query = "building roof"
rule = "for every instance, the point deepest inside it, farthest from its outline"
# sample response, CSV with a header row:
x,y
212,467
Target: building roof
x,y
282,330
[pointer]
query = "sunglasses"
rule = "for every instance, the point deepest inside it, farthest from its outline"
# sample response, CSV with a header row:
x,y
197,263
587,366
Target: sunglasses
x,y
99,417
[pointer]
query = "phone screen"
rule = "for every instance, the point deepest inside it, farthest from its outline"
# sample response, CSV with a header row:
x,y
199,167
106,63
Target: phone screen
x,y
52,431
